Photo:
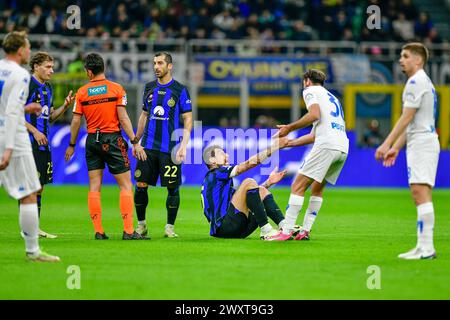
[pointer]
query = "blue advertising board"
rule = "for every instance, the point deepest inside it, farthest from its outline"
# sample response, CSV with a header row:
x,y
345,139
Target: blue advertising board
x,y
360,170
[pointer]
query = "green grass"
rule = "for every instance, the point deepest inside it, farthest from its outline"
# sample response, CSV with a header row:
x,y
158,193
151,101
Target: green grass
x,y
355,229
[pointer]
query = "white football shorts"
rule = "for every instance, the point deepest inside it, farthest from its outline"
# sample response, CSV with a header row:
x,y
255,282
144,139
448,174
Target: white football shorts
x,y
422,156
20,178
322,164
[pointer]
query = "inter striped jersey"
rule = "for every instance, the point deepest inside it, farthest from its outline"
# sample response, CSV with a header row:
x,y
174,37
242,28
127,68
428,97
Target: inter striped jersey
x,y
164,103
41,93
217,191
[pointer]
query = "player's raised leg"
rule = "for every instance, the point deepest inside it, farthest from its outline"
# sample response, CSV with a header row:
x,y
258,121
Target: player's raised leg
x,y
272,209
247,199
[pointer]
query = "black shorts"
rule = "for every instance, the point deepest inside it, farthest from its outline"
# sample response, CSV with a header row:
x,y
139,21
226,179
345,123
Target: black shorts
x,y
111,149
158,164
44,164
236,224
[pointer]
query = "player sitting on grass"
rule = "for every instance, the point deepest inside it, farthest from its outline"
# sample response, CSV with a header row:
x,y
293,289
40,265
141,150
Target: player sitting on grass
x,y
237,213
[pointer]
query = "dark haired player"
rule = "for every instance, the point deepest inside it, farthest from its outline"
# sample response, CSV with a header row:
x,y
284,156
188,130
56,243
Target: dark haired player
x,y
40,91
165,104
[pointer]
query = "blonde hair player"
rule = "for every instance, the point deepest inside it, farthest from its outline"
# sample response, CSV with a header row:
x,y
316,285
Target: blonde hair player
x,y
416,128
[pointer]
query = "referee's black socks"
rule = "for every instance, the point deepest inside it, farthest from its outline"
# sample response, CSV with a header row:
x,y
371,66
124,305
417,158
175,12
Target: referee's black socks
x,y
256,206
172,204
141,202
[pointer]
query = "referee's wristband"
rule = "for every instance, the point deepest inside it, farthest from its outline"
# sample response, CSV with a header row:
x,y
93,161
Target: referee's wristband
x,y
72,145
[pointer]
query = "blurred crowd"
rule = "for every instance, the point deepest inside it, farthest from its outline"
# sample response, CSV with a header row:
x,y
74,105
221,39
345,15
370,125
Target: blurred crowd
x,y
220,19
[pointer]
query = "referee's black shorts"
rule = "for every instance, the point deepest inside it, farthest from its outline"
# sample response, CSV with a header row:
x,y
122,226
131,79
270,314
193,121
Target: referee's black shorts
x,y
111,149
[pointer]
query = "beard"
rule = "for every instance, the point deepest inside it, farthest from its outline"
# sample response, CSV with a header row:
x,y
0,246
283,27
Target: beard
x,y
162,74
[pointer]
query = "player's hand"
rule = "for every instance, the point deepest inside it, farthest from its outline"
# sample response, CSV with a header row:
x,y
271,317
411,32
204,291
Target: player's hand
x,y
282,142
181,154
69,99
283,130
390,157
381,151
139,152
275,176
6,157
69,153
40,138
33,107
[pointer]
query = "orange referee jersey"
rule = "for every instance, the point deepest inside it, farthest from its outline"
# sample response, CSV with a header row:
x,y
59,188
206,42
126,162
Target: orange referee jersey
x,y
98,101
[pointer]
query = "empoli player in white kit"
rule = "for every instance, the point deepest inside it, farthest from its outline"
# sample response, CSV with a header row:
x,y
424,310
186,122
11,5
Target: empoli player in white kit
x,y
416,128
326,159
18,173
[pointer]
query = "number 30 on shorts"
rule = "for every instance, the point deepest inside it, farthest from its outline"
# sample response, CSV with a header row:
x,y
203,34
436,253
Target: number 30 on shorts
x,y
174,171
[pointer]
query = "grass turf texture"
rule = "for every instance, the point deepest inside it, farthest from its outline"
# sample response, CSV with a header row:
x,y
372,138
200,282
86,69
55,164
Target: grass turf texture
x,y
355,229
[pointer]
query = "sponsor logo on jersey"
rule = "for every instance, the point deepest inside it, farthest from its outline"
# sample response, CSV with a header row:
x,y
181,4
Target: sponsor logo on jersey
x,y
158,111
337,126
95,91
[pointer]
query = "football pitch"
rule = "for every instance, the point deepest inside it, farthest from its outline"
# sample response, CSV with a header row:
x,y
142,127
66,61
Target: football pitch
x,y
357,231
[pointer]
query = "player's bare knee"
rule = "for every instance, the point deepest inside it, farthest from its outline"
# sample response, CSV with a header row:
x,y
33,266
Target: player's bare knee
x,y
32,198
249,183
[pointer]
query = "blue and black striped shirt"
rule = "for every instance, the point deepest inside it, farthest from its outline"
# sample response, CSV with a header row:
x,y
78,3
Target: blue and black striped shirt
x,y
41,93
164,104
216,194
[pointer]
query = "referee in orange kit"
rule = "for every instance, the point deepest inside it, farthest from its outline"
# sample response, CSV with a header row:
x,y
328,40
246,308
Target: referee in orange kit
x,y
103,103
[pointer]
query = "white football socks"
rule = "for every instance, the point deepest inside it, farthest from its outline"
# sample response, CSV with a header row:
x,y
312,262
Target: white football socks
x,y
311,213
29,223
295,205
425,225
265,229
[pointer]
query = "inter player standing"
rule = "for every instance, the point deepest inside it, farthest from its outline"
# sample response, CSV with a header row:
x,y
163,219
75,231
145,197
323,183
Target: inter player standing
x,y
416,128
326,159
103,103
18,172
165,103
40,91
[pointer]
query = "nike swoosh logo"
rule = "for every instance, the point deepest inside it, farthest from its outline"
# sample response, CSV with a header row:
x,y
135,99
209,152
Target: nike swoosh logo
x,y
172,181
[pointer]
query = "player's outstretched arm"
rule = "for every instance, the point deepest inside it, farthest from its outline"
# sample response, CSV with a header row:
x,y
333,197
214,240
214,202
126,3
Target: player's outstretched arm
x,y
274,177
308,119
302,141
74,129
260,157
399,128
56,113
